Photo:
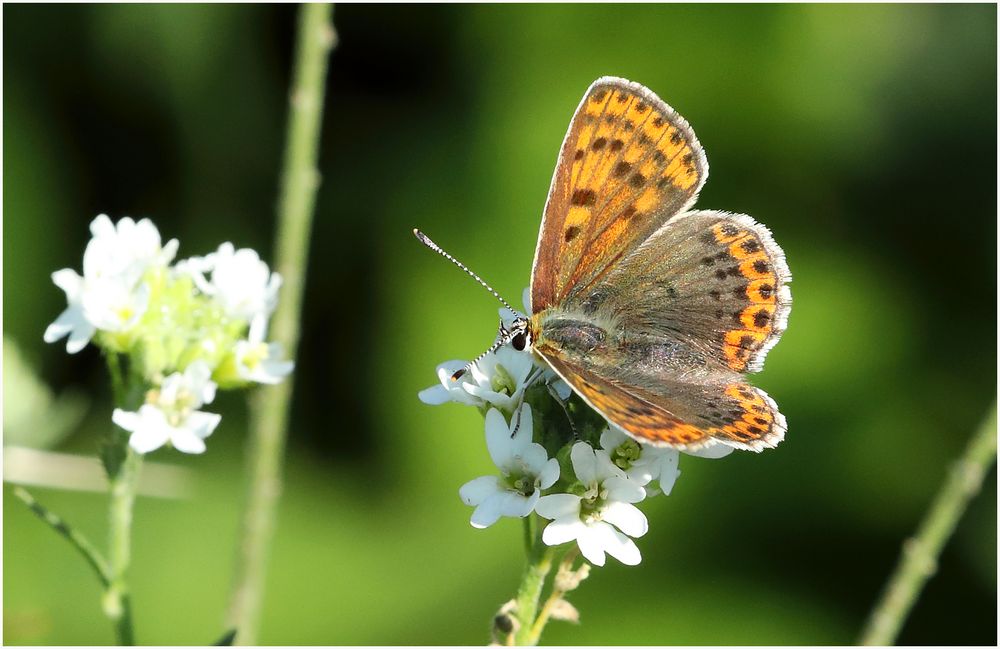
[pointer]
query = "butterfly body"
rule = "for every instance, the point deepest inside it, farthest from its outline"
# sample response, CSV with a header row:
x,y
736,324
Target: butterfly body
x,y
651,312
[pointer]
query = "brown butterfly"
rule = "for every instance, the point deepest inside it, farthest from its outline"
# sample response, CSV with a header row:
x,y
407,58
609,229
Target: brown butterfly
x,y
650,312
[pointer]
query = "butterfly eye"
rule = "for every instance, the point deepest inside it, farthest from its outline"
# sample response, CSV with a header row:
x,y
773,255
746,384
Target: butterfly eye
x,y
519,341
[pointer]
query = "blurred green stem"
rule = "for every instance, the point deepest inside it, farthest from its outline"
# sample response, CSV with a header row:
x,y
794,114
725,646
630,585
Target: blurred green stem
x,y
530,590
117,603
920,552
269,408
78,540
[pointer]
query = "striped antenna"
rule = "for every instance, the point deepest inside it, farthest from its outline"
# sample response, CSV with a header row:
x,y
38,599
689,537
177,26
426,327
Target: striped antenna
x,y
503,337
424,239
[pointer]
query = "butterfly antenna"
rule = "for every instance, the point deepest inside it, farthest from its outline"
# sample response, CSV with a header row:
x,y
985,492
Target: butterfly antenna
x,y
424,239
468,366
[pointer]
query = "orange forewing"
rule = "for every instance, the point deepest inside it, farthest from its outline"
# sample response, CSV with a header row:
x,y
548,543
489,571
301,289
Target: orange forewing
x,y
628,163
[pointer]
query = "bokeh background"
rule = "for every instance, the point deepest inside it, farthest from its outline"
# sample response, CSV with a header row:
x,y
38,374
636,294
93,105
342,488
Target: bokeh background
x,y
864,136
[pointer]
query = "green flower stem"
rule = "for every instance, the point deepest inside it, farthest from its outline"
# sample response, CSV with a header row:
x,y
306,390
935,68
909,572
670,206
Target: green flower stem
x,y
117,603
530,591
269,408
919,557
78,540
555,596
117,382
529,528
123,481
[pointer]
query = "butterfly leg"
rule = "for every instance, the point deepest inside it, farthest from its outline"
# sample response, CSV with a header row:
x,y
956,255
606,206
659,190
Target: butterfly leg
x,y
572,426
517,422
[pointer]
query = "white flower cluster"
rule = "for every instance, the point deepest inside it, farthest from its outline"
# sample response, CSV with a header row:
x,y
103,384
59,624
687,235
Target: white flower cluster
x,y
186,328
593,499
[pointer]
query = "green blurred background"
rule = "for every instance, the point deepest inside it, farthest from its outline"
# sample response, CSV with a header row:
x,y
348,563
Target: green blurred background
x,y
864,136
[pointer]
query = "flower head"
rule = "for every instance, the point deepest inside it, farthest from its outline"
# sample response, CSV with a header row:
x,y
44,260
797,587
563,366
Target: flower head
x,y
525,469
171,415
497,380
238,280
642,463
600,518
124,250
110,295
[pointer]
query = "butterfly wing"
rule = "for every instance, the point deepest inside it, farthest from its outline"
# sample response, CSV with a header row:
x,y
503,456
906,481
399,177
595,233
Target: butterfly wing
x,y
628,163
714,281
678,414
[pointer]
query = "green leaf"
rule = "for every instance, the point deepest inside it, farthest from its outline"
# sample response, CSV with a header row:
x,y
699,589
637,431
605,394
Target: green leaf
x,y
226,640
113,451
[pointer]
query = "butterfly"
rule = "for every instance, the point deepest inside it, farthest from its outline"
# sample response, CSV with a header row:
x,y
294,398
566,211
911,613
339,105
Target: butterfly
x,y
650,311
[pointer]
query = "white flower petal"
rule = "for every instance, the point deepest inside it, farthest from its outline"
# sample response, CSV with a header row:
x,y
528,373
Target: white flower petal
x,y
558,506
641,474
79,337
591,542
563,530
498,441
562,388
125,419
186,441
668,471
476,491
149,428
102,226
624,490
628,518
488,511
612,438
584,462
605,468
549,474
711,452
620,546
522,419
435,395
533,458
515,505
69,281
201,424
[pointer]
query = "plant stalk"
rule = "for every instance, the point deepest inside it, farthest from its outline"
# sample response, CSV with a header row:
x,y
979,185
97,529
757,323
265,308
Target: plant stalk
x,y
269,408
918,560
117,601
78,540
566,564
530,591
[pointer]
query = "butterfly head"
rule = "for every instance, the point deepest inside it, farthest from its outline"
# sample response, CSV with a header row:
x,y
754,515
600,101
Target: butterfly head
x,y
517,335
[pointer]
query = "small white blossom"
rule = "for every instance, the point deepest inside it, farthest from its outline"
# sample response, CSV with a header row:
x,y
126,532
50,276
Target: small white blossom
x,y
109,296
171,413
239,281
112,304
642,463
259,361
499,380
525,470
600,519
124,250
